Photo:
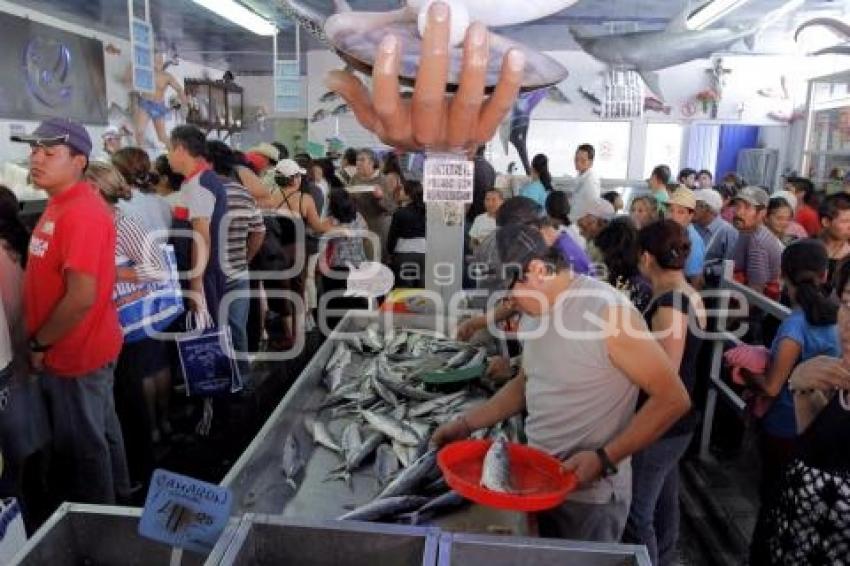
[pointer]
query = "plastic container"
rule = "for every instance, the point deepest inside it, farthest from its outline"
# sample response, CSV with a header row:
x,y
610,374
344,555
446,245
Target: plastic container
x,y
539,480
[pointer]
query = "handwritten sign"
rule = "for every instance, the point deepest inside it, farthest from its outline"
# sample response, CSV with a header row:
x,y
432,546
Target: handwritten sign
x,y
447,178
185,512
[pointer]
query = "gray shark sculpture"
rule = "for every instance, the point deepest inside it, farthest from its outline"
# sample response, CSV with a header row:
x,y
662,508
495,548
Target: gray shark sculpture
x,y
650,51
838,26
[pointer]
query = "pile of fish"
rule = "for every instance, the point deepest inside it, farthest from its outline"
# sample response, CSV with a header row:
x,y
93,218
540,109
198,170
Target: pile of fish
x,y
375,396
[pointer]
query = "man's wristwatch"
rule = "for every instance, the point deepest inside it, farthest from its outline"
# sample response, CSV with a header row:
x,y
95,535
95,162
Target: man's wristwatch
x,y
608,467
36,346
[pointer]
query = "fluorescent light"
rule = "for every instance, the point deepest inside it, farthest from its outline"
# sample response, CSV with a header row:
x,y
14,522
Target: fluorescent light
x,y
239,14
712,12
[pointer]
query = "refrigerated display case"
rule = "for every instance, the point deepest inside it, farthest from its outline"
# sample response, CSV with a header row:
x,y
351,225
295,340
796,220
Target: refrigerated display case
x,y
826,157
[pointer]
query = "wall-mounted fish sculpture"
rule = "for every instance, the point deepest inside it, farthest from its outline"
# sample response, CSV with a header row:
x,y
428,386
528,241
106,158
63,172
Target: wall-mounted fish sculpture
x,y
650,51
556,95
589,96
838,26
355,36
650,103
515,130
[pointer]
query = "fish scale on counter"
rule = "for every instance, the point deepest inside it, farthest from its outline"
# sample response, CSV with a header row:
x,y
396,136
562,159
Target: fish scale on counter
x,y
376,409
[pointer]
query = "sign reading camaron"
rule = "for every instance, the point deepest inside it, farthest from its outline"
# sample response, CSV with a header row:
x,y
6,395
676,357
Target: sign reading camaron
x,y
447,179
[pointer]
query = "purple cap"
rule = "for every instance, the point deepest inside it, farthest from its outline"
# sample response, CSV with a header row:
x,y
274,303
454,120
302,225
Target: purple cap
x,y
57,131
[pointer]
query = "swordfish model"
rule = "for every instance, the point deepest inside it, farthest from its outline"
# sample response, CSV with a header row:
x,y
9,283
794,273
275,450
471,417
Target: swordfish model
x,y
650,51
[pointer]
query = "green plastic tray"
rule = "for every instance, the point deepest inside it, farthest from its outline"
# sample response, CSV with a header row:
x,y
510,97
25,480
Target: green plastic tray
x,y
454,375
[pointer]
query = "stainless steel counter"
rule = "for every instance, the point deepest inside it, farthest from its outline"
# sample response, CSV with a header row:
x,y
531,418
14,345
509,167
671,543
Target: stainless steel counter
x,y
259,486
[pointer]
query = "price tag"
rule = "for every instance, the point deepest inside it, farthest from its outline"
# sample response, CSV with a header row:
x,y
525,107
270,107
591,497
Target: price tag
x,y
185,512
447,178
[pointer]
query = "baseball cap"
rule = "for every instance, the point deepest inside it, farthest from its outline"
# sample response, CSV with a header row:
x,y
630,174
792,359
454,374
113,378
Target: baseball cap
x,y
787,196
518,244
59,131
289,168
598,207
711,198
267,150
110,132
754,195
683,196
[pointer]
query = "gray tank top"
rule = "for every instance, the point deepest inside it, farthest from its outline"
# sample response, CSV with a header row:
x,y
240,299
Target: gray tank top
x,y
576,399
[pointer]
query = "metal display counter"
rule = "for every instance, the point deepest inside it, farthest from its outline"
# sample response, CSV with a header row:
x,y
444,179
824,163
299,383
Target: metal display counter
x,y
263,539
104,536
474,550
259,486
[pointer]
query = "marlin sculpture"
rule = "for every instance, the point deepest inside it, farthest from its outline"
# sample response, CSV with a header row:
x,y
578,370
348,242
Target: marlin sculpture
x,y
841,28
650,51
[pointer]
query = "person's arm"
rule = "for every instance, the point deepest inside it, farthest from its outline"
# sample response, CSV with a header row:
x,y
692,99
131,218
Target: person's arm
x,y
758,268
509,401
255,243
147,257
200,261
311,216
255,186
779,370
670,328
815,382
465,330
178,88
80,296
634,351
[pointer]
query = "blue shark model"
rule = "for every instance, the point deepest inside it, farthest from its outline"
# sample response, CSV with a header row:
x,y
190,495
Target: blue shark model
x,y
649,51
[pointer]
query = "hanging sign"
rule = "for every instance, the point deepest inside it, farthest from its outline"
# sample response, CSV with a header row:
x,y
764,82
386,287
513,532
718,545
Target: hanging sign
x,y
141,50
184,512
447,178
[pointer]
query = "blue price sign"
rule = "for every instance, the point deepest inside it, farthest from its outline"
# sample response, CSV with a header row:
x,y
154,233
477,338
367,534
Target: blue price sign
x,y
185,512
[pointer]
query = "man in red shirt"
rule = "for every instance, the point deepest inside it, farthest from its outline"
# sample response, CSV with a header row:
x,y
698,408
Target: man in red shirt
x,y
71,319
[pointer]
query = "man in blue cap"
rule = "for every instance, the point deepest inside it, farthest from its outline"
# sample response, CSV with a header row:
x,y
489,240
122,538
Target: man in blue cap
x,y
71,320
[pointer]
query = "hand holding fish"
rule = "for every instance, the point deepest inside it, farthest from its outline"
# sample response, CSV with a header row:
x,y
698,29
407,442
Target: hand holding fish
x,y
586,466
456,429
431,120
469,327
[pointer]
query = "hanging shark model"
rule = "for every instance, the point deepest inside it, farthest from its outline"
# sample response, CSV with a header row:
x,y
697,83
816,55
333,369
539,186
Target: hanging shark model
x,y
650,51
841,28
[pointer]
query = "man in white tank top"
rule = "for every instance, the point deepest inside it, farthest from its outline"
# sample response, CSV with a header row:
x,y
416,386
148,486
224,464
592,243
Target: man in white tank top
x,y
587,354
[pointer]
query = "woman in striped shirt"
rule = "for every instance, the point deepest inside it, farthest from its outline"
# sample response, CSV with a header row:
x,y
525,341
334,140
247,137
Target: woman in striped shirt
x,y
139,258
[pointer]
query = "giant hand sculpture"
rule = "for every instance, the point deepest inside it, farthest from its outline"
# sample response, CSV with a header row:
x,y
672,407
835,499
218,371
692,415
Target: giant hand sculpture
x,y
431,120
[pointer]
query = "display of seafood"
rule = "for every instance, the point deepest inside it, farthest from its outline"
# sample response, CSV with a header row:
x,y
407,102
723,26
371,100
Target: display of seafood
x,y
376,418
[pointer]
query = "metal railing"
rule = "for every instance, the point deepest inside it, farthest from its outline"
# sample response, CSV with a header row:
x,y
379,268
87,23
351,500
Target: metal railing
x,y
722,336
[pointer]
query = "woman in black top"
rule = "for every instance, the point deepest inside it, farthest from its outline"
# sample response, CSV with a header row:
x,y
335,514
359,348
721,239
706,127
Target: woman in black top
x,y
618,243
808,519
675,316
406,240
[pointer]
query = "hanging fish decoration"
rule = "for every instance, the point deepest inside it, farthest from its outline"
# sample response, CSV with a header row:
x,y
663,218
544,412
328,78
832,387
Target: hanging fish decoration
x,y
652,103
355,35
589,96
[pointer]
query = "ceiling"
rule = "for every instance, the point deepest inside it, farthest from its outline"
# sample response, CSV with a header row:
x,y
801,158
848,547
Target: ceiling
x,y
198,35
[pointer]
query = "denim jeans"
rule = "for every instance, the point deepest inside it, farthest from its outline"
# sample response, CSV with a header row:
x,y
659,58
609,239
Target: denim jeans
x,y
88,448
654,515
237,319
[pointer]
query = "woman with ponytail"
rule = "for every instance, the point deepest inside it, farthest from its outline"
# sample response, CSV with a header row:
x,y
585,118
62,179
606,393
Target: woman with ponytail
x,y
676,316
541,181
809,331
135,166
